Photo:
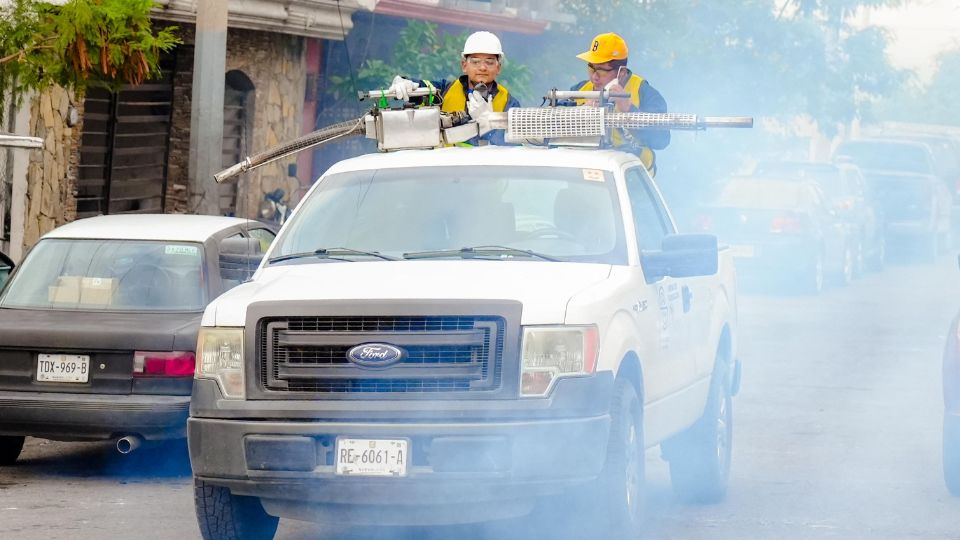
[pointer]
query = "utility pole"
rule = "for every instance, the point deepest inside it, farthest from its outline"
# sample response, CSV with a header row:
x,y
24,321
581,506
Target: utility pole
x,y
206,114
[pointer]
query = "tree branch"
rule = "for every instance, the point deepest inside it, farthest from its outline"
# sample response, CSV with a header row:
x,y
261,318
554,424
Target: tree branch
x,y
22,52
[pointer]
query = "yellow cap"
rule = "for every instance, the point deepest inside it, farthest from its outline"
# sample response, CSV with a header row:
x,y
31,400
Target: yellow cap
x,y
604,48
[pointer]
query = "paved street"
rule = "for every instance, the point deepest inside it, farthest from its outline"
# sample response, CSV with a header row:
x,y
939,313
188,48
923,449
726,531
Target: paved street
x,y
837,435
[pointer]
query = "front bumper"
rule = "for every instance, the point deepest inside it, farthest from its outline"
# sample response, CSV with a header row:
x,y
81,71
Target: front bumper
x,y
62,416
463,467
784,258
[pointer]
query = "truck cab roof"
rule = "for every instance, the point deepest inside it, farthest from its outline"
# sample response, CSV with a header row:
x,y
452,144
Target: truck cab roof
x,y
519,156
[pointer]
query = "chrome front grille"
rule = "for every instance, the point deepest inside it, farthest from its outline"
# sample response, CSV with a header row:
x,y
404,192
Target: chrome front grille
x,y
443,354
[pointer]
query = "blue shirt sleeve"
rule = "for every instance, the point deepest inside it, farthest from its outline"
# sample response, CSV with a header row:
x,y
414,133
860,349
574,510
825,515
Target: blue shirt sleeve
x,y
651,101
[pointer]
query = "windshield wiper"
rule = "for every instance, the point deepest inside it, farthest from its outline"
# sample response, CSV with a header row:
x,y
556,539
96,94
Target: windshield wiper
x,y
337,253
479,252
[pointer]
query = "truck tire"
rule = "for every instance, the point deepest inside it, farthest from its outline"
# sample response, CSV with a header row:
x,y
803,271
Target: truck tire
x,y
224,516
700,456
620,488
10,448
951,455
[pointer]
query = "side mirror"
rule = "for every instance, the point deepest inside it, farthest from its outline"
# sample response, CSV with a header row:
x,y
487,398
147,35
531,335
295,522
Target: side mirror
x,y
239,258
6,268
683,255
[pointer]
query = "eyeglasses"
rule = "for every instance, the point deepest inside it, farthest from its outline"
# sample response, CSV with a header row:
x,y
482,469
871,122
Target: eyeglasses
x,y
489,62
603,71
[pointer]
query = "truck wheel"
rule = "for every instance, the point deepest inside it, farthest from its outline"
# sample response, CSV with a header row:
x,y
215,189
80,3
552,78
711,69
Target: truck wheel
x,y
951,455
700,456
10,447
224,516
619,491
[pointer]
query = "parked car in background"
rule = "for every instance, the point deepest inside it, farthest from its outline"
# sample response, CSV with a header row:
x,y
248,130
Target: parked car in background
x,y
946,150
945,147
903,176
782,230
951,408
98,325
846,190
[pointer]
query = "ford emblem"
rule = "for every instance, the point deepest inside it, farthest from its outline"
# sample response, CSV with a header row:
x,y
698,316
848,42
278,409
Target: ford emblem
x,y
375,355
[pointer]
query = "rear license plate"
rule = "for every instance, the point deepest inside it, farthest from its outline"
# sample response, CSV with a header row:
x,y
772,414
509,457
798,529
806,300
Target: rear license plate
x,y
65,368
744,251
372,457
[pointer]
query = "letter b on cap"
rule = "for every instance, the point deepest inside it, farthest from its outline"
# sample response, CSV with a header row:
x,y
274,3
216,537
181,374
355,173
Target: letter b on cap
x,y
596,45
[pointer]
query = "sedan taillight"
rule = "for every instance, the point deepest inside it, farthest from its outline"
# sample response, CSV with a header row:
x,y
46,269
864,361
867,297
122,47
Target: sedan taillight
x,y
163,364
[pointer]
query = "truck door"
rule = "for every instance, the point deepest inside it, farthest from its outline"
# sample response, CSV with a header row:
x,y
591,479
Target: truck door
x,y
675,364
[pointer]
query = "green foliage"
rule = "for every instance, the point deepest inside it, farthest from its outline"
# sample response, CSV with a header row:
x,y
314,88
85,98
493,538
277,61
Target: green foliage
x,y
935,103
422,52
759,57
82,42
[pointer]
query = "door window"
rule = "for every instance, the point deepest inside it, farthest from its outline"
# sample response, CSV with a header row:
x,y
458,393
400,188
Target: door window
x,y
264,236
649,216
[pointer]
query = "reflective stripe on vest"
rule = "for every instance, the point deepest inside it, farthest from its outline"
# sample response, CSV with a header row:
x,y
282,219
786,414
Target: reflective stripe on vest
x,y
633,88
455,98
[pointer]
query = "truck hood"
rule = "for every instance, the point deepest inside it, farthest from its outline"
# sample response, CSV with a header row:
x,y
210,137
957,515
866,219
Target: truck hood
x,y
544,288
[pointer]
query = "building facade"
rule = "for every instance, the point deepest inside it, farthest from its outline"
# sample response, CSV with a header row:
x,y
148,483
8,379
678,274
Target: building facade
x,y
128,151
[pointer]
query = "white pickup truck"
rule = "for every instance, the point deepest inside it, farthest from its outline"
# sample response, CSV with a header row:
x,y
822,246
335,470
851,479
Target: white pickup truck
x,y
454,335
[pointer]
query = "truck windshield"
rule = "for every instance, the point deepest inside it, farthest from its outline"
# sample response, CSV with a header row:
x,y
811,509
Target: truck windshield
x,y
563,213
109,275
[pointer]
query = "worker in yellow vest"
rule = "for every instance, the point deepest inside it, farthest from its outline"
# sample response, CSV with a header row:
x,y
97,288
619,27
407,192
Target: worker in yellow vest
x,y
607,68
476,91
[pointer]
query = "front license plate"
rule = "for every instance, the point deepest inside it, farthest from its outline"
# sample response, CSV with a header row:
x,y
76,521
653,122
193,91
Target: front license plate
x,y
372,457
65,368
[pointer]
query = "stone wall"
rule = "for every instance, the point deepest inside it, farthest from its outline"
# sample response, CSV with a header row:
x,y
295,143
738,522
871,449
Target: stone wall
x,y
275,65
52,172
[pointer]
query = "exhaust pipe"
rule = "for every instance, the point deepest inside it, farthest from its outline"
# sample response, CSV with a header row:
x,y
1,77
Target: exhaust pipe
x,y
128,444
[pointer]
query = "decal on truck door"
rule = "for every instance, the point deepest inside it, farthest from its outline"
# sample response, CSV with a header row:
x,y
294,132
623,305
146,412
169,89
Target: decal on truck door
x,y
668,299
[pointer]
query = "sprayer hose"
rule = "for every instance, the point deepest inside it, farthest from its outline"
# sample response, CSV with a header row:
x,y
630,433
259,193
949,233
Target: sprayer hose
x,y
349,128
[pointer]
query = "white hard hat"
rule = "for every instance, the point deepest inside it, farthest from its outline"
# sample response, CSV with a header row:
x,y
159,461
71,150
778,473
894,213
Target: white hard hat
x,y
482,43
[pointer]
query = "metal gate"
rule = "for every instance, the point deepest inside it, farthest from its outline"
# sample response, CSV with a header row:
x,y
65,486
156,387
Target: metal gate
x,y
124,149
234,143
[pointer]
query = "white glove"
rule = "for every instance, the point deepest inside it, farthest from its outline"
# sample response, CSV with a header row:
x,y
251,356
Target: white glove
x,y
477,106
401,88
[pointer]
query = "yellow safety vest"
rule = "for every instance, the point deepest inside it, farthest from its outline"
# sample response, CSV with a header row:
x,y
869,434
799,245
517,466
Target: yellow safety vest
x,y
633,88
455,98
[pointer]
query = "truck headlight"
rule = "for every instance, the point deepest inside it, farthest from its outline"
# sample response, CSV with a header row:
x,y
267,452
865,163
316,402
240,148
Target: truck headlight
x,y
220,357
553,352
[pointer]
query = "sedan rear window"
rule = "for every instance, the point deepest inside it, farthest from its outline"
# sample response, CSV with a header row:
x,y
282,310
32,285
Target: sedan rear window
x,y
113,275
761,194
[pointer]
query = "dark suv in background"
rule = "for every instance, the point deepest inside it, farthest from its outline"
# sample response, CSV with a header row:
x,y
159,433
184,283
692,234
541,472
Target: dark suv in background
x,y
905,178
